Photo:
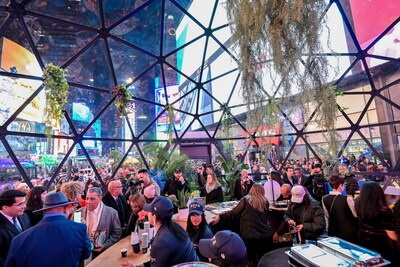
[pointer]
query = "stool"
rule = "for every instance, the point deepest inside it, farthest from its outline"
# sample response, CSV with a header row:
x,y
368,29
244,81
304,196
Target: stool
x,y
275,258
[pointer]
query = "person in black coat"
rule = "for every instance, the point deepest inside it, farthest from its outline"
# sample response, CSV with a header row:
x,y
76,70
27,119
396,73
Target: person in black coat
x,y
136,202
213,190
34,201
175,184
116,200
242,185
12,206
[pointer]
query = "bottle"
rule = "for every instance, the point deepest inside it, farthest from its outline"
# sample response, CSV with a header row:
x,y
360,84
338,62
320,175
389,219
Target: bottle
x,y
135,242
145,242
295,241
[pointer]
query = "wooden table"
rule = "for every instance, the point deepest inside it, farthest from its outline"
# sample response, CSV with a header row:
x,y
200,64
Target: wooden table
x,y
112,256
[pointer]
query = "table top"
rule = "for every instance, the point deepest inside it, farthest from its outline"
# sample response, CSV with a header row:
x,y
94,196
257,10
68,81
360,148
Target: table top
x,y
112,256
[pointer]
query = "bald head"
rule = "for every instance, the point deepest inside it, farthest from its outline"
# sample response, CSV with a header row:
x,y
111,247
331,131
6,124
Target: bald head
x,y
115,188
286,190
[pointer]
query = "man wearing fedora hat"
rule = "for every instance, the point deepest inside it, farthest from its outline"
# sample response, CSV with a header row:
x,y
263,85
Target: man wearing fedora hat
x,y
54,241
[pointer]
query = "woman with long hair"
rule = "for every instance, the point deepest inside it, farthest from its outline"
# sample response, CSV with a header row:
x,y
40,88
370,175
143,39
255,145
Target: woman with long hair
x,y
197,226
254,222
136,202
213,189
377,231
34,201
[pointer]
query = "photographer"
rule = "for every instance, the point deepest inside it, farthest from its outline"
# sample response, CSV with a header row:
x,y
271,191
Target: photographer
x,y
144,178
201,181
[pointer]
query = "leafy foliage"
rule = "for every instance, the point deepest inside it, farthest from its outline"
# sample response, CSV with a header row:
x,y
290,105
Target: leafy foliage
x,y
281,39
123,100
181,199
56,90
160,159
232,169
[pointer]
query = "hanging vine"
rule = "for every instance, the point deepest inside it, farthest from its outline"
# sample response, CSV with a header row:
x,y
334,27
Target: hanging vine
x,y
226,119
280,40
171,120
56,90
123,100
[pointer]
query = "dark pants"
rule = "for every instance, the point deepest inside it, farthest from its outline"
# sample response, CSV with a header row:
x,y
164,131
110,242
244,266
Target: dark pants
x,y
256,248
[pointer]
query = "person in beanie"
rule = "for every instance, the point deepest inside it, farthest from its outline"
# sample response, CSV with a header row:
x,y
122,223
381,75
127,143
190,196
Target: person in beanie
x,y
54,241
171,244
225,248
197,226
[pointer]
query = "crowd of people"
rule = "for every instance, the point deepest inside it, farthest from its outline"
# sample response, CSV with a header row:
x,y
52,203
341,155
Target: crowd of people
x,y
89,218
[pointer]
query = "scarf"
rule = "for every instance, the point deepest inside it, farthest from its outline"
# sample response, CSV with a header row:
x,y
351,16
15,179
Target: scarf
x,y
209,188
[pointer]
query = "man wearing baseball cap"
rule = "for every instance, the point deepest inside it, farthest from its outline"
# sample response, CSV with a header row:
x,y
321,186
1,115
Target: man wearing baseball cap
x,y
226,248
171,244
54,241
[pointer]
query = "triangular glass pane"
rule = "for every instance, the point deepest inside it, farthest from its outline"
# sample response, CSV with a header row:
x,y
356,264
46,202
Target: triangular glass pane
x,y
190,59
92,68
207,105
3,17
219,62
221,88
359,146
142,29
108,125
16,53
116,10
179,29
83,12
9,172
201,10
77,162
122,58
335,36
387,46
57,42
220,17
144,116
14,92
356,73
365,28
352,105
83,105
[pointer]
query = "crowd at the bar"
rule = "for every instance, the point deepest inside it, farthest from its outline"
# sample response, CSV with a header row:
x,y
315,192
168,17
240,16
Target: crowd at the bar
x,y
73,222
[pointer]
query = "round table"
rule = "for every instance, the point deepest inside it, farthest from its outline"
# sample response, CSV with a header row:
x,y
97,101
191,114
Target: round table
x,y
275,258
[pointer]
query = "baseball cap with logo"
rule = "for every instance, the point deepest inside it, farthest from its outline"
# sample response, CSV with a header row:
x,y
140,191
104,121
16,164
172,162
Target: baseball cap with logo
x,y
226,246
196,207
161,206
298,194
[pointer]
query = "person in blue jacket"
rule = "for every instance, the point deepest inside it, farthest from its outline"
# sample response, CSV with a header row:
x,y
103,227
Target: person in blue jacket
x,y
54,241
171,245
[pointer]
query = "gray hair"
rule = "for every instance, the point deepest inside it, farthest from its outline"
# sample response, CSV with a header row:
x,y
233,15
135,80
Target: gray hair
x,y
96,190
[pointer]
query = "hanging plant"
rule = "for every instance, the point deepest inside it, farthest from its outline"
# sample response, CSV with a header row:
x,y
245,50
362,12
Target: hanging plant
x,y
123,100
226,119
56,90
280,39
171,119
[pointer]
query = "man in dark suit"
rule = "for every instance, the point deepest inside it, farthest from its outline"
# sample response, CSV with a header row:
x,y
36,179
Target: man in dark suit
x,y
116,200
303,179
13,220
289,177
54,241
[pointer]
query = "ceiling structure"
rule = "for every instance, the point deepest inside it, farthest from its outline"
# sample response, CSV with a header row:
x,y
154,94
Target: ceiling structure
x,y
180,49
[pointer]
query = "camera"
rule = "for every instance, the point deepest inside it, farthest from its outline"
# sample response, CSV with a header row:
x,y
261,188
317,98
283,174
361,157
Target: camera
x,y
135,182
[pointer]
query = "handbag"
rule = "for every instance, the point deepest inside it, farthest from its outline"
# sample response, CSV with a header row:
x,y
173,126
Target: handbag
x,y
285,238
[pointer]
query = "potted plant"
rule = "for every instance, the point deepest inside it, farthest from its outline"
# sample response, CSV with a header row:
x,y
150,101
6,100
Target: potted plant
x,y
56,90
181,201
